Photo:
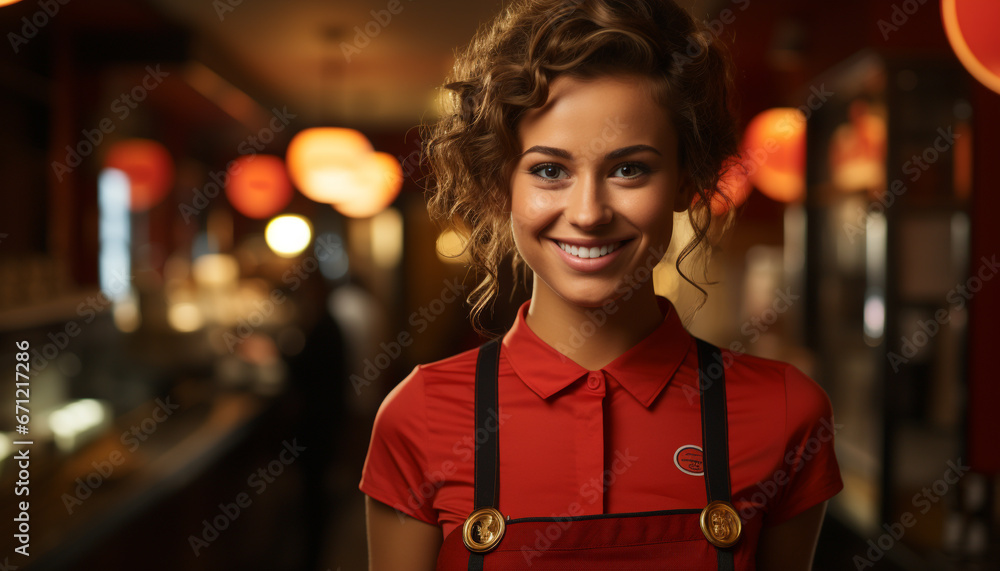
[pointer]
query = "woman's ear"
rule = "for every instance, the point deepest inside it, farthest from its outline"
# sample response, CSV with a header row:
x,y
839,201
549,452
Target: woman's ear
x,y
685,193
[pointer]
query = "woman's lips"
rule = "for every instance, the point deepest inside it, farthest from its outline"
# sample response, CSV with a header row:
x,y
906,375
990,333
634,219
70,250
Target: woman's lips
x,y
588,258
586,252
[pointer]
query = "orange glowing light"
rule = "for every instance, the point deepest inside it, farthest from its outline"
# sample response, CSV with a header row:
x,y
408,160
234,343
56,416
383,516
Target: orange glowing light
x,y
258,185
774,153
149,167
971,29
733,184
858,150
380,178
323,162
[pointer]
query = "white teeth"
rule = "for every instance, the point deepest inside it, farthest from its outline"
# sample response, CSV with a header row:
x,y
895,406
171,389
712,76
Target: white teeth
x,y
586,253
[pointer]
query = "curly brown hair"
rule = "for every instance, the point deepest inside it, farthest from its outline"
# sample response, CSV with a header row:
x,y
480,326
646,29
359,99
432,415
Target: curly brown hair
x,y
507,68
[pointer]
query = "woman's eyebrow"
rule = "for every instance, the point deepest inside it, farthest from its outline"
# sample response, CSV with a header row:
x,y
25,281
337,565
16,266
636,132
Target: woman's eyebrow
x,y
554,151
625,151
615,154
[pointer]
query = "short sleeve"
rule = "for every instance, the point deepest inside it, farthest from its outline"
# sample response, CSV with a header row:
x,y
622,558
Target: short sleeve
x,y
809,472
394,468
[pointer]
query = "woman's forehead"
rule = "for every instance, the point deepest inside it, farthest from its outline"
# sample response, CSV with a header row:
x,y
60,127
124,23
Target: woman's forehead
x,y
606,111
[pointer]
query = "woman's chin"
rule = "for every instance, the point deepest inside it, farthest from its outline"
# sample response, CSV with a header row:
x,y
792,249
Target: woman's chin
x,y
591,298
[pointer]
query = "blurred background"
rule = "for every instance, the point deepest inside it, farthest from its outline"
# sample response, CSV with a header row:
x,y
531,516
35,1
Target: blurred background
x,y
215,261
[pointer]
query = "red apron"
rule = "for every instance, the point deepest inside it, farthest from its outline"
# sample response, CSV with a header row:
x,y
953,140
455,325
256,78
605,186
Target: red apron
x,y
691,539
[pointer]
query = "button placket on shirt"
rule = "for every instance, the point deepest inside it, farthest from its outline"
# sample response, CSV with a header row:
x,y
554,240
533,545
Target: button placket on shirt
x,y
590,442
595,381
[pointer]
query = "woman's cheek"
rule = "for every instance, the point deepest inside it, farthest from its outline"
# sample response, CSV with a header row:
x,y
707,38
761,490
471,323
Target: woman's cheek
x,y
532,205
539,205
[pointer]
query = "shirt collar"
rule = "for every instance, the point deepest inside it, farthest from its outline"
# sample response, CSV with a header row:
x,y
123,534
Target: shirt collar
x,y
644,370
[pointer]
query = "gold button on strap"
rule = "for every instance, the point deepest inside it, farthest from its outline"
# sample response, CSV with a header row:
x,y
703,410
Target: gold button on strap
x,y
721,524
483,530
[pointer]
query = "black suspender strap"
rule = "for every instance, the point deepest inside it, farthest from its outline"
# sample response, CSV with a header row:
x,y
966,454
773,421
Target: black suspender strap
x,y
714,431
487,450
715,438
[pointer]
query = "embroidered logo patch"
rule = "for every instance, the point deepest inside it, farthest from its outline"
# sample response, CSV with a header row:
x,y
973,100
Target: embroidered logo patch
x,y
688,459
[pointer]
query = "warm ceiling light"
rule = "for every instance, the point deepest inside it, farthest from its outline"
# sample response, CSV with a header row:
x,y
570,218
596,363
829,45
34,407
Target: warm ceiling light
x,y
451,248
774,153
379,178
215,270
323,161
387,238
288,235
184,317
258,185
971,29
149,167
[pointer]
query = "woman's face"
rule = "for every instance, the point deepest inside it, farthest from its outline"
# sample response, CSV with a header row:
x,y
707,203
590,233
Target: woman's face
x,y
593,194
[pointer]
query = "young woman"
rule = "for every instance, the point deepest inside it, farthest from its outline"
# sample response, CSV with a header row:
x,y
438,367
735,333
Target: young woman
x,y
596,433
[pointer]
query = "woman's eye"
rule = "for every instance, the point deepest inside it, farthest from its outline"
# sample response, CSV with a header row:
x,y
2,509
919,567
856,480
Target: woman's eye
x,y
547,171
630,170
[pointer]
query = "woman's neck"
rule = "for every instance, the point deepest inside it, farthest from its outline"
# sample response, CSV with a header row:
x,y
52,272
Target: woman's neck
x,y
592,337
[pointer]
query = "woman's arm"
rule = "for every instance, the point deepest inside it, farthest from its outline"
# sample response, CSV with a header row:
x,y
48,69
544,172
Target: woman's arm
x,y
790,545
397,541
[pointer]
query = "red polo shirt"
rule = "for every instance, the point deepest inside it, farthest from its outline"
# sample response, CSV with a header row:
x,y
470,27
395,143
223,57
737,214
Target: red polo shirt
x,y
625,438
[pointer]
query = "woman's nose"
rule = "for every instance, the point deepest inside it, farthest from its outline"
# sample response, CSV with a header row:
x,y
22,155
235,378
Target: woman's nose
x,y
587,205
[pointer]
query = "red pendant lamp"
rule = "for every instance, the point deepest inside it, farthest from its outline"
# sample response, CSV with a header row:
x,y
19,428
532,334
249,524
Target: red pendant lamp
x,y
258,185
971,29
149,167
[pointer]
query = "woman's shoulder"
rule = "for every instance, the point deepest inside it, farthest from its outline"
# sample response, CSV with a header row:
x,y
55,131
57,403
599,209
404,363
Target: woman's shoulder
x,y
450,372
773,381
458,364
428,383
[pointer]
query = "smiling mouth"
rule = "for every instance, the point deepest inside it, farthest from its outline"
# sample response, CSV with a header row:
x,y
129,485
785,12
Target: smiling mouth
x,y
585,253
